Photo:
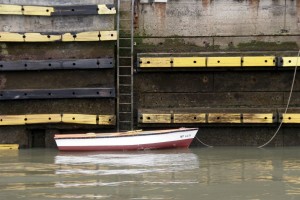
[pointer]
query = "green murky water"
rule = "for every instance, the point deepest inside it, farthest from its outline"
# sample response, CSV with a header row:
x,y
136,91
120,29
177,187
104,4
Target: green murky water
x,y
202,173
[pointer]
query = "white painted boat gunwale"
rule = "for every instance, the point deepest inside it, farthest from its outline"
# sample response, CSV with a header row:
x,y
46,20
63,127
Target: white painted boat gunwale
x,y
127,134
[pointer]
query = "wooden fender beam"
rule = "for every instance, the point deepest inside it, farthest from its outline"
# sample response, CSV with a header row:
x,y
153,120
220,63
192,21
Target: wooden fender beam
x,y
12,120
106,120
9,146
196,118
11,37
290,118
42,118
64,37
155,62
57,93
256,118
79,119
101,9
37,10
155,118
189,62
106,9
89,119
10,9
189,118
90,36
172,62
259,61
224,62
290,61
224,118
38,37
21,65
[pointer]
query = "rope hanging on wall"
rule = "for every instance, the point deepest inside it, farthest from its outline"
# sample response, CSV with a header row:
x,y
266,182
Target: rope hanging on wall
x,y
287,105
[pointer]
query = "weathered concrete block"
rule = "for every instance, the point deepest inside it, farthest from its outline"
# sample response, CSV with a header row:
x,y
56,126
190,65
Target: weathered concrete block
x,y
210,18
14,135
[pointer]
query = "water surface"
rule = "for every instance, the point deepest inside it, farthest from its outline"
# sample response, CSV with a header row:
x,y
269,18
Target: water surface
x,y
199,173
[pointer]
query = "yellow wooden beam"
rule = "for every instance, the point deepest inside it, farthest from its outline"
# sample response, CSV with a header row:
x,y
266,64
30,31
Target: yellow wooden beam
x,y
224,118
108,35
9,146
172,62
66,37
12,120
90,36
292,118
106,119
10,9
104,10
189,118
189,62
258,118
79,119
83,36
259,61
155,62
224,62
38,37
38,10
291,61
155,118
42,118
11,37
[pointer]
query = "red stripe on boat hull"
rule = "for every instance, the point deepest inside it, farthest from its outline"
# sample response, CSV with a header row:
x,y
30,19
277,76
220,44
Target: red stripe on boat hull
x,y
164,145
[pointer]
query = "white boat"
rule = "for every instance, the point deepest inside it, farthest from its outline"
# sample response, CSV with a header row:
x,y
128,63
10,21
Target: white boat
x,y
131,140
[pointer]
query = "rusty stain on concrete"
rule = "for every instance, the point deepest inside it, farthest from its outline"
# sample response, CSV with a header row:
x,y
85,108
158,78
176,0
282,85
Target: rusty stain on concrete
x,y
160,11
206,3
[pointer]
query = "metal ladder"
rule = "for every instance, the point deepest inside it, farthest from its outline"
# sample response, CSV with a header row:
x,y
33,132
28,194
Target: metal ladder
x,y
125,29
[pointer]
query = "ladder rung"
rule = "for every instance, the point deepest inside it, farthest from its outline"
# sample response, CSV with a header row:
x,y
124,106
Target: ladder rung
x,y
125,19
125,84
125,112
124,38
125,57
125,66
124,29
125,75
124,47
125,121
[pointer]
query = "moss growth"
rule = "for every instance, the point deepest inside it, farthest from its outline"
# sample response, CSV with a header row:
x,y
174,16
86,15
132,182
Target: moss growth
x,y
267,46
171,45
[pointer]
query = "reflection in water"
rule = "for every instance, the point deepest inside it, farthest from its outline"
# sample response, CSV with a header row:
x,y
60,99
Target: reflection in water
x,y
126,163
213,173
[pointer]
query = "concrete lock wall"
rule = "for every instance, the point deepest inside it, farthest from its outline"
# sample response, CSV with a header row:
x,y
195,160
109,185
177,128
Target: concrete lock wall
x,y
219,28
193,27
55,79
221,25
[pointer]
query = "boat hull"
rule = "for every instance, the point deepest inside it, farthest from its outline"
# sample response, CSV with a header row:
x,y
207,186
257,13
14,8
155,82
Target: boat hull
x,y
173,139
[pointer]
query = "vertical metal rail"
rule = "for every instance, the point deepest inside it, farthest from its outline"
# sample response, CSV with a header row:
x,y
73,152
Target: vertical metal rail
x,y
118,64
125,65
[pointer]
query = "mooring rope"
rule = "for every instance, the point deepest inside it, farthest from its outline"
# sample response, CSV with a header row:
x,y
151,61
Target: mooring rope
x,y
287,105
202,142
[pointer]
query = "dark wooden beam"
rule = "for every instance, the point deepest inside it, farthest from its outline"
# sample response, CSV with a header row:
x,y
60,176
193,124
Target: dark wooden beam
x,y
21,65
57,93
